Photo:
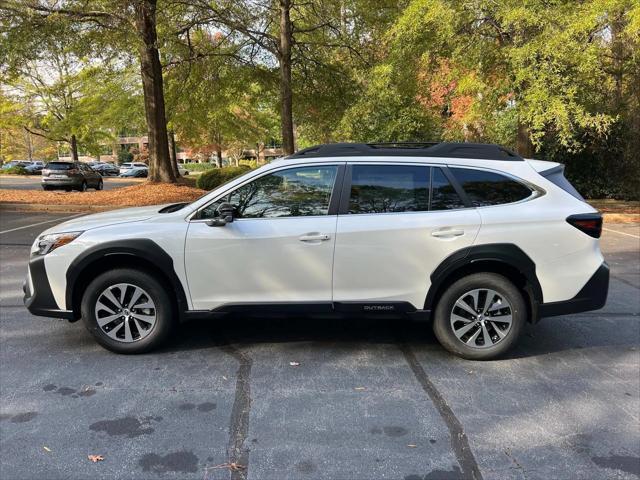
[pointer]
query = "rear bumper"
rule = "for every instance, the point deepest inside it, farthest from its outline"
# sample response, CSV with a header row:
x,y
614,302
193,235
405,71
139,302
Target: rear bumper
x,y
40,301
593,296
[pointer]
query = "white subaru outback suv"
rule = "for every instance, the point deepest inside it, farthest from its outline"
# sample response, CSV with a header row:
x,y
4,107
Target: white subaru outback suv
x,y
471,236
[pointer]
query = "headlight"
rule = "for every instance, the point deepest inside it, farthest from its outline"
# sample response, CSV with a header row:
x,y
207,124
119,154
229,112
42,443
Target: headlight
x,y
48,243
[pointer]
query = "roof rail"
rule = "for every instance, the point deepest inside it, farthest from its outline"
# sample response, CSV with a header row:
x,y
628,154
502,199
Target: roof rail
x,y
484,151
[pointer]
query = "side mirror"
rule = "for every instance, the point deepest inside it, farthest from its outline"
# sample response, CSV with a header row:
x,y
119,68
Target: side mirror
x,y
226,212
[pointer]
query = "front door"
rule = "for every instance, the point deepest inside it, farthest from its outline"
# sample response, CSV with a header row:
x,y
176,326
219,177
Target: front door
x,y
397,226
278,249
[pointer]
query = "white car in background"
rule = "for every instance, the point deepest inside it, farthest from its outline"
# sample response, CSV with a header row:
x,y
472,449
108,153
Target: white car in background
x,y
129,165
472,237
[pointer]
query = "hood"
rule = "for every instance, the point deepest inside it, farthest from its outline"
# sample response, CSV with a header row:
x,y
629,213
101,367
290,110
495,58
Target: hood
x,y
103,219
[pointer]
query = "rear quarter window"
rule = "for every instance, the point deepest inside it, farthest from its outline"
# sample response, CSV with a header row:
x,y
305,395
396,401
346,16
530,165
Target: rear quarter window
x,y
486,188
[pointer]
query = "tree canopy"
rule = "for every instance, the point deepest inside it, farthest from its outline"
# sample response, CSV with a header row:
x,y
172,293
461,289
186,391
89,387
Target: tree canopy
x,y
553,79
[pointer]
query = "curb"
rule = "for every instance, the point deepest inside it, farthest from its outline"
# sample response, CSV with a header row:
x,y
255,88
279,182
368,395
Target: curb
x,y
43,207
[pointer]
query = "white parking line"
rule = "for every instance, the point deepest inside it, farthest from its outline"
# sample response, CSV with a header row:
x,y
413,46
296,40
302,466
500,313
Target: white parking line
x,y
621,233
40,223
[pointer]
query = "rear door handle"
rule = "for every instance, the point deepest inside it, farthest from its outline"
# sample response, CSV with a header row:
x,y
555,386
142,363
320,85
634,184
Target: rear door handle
x,y
447,233
314,237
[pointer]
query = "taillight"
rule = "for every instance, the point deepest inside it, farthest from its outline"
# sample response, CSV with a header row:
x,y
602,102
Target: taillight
x,y
589,223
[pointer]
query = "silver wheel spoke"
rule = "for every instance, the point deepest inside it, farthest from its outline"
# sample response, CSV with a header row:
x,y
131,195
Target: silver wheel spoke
x,y
105,320
464,306
486,336
474,295
500,333
145,318
102,306
111,297
501,319
458,318
113,333
127,331
123,293
144,305
472,339
136,296
462,330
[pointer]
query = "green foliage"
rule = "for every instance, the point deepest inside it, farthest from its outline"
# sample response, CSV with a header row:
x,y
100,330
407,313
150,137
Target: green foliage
x,y
217,176
17,170
124,156
198,167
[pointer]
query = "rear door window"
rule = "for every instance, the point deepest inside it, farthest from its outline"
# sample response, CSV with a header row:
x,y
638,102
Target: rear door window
x,y
443,195
389,188
486,188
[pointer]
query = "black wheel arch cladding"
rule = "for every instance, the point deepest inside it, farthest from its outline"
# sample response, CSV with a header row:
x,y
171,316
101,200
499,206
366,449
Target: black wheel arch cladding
x,y
505,254
139,249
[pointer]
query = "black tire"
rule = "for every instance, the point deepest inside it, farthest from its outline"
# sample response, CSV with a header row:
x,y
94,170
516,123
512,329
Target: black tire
x,y
83,187
46,188
443,328
158,293
100,185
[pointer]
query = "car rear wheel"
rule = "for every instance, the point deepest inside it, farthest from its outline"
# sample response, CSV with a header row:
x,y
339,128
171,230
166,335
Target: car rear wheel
x,y
83,187
480,317
46,187
127,311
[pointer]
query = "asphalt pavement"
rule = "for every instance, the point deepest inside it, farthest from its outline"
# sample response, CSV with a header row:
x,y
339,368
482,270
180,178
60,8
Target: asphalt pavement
x,y
366,400
33,182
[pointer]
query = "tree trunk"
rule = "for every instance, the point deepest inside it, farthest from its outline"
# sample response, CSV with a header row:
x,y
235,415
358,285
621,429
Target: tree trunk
x,y
173,154
160,169
524,147
74,148
286,94
218,155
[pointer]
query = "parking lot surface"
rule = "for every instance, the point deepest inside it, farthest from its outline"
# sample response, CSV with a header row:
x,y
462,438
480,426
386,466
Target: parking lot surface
x,y
362,399
34,183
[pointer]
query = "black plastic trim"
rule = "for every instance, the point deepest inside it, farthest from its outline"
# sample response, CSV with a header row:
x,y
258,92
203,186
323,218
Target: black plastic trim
x,y
456,186
593,296
137,247
415,149
336,191
505,253
41,301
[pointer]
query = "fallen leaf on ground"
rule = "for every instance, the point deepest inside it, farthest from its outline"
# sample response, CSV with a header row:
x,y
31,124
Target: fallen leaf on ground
x,y
235,467
225,378
47,448
411,445
294,364
95,458
360,388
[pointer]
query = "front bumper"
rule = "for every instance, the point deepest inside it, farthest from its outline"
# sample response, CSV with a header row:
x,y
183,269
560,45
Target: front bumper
x,y
592,296
40,301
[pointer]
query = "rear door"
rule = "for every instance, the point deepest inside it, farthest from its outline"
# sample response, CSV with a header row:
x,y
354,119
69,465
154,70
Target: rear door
x,y
397,223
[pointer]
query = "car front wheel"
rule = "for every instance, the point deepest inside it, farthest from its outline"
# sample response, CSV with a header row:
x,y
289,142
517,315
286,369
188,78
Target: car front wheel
x,y
127,311
480,317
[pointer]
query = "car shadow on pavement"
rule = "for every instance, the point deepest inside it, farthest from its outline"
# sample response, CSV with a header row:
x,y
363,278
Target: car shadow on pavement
x,y
548,337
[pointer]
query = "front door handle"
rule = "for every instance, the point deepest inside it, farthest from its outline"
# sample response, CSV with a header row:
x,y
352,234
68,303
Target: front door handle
x,y
447,233
314,237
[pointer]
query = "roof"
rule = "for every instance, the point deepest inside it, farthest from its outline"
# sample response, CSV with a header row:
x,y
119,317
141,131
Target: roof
x,y
483,151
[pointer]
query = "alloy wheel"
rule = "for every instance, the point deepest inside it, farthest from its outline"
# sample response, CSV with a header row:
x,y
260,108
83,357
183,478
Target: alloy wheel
x,y
125,312
481,318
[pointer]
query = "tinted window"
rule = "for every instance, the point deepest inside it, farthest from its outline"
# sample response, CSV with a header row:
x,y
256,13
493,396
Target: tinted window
x,y
489,188
294,192
59,166
389,188
443,195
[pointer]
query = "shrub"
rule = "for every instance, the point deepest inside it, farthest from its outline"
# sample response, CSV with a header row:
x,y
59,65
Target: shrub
x,y
199,167
217,176
124,156
17,170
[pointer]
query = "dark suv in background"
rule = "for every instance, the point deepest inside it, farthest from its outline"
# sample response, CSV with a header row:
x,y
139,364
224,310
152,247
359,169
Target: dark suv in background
x,y
70,176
